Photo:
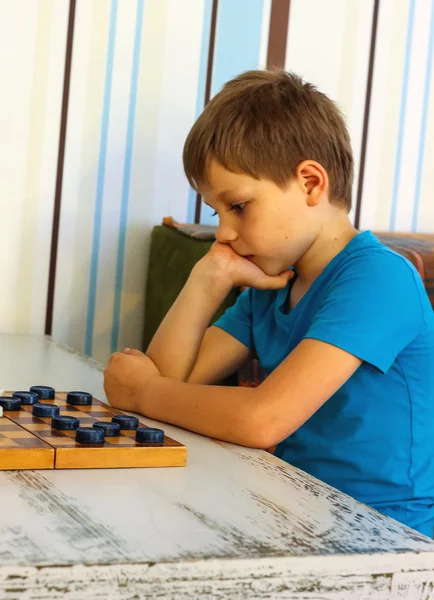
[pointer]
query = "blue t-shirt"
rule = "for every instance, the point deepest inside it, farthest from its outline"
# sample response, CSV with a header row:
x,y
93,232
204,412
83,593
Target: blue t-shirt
x,y
374,438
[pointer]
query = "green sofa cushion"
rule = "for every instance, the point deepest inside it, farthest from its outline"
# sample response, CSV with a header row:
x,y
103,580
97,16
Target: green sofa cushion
x,y
172,257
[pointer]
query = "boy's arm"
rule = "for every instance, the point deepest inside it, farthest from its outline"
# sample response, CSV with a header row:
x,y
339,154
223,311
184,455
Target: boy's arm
x,y
176,345
220,355
347,330
180,349
256,417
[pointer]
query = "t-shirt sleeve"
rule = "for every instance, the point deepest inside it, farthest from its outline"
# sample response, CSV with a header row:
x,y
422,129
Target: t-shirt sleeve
x,y
373,309
237,319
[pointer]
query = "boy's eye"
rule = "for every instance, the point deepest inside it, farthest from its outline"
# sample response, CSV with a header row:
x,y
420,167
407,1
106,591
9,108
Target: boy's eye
x,y
214,214
238,208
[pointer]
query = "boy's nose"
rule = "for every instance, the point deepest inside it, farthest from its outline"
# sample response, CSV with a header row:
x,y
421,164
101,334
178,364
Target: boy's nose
x,y
225,234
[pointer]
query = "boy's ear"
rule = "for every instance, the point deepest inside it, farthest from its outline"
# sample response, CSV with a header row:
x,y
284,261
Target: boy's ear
x,y
314,179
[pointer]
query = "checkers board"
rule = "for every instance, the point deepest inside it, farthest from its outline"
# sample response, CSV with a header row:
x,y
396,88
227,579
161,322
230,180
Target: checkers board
x,y
20,449
29,442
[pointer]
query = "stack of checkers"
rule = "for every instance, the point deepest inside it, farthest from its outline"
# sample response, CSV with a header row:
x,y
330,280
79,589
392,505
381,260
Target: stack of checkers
x,y
78,431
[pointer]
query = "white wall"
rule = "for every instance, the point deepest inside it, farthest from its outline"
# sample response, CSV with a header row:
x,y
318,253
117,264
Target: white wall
x,y
137,84
329,43
133,99
31,64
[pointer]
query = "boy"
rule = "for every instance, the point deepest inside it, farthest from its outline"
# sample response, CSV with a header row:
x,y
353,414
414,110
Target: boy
x,y
341,324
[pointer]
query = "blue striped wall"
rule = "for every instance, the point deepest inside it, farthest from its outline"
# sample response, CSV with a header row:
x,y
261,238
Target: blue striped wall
x,y
238,40
137,84
422,158
90,318
402,114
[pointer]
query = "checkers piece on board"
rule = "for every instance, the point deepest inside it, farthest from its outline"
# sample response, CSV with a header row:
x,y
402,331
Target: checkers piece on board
x,y
110,429
126,422
41,409
26,397
65,423
79,398
120,449
149,435
44,392
89,435
8,403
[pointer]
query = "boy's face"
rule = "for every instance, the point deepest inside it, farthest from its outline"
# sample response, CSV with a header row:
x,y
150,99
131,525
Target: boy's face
x,y
272,227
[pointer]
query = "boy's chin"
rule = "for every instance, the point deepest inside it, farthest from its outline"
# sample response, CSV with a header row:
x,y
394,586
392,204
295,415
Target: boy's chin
x,y
271,268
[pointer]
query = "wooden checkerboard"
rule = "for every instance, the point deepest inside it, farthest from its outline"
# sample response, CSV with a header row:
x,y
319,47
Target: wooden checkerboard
x,y
29,442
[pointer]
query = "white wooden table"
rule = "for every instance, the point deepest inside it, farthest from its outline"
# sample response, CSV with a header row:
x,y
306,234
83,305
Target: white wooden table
x,y
235,523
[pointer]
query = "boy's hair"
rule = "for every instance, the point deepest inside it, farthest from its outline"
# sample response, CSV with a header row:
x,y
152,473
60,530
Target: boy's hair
x,y
264,123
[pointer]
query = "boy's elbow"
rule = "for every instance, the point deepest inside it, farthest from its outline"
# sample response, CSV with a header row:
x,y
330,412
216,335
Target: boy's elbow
x,y
265,431
266,438
262,440
171,371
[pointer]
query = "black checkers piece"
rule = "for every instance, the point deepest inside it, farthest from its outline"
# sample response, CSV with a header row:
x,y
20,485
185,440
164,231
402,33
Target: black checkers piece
x,y
44,392
26,397
89,435
8,403
126,422
79,398
110,429
65,423
149,435
45,410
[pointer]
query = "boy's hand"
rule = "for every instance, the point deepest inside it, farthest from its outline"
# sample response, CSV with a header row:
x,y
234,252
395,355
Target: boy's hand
x,y
126,379
223,263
